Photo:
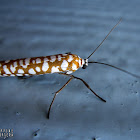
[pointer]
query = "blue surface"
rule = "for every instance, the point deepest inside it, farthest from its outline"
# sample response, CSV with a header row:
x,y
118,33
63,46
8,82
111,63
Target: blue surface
x,y
39,28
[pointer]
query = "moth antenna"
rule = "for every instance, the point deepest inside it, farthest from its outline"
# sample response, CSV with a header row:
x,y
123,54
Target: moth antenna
x,y
104,39
134,75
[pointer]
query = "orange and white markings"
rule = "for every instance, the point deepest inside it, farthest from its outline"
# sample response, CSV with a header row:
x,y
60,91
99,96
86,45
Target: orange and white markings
x,y
74,66
82,62
12,75
6,70
27,62
38,60
21,62
33,61
53,58
65,63
7,61
18,75
32,71
46,59
69,72
45,66
70,58
37,69
20,71
15,64
12,68
55,69
59,58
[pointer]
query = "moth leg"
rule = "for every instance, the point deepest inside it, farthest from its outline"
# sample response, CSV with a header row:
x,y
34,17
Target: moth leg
x,y
48,114
85,83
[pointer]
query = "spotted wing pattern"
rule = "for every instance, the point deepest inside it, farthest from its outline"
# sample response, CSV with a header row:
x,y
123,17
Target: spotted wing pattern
x,y
67,63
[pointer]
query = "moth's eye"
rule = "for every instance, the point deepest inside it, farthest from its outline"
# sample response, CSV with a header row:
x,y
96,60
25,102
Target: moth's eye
x,y
84,66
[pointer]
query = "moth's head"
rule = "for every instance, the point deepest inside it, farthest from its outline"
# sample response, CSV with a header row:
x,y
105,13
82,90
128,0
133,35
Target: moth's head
x,y
85,63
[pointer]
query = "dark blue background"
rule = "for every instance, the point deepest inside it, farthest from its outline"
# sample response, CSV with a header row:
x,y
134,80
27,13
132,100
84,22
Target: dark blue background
x,y
39,28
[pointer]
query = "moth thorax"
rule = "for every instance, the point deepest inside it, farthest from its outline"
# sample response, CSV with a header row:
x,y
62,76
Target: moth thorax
x,y
81,62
